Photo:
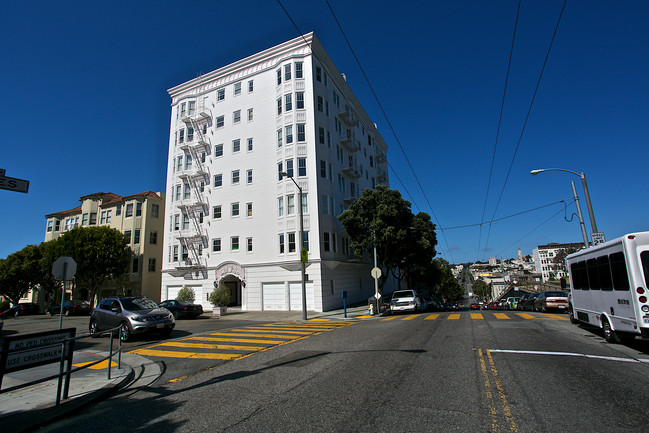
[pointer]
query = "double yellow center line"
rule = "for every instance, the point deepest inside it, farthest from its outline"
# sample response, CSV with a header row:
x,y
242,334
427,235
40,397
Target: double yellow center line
x,y
496,398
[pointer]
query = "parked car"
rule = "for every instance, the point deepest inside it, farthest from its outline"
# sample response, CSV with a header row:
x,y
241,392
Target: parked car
x,y
182,309
21,310
528,304
522,300
551,300
405,300
474,306
132,315
76,308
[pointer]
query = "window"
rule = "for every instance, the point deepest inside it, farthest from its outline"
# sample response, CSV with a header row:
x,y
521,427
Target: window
x,y
187,192
218,150
324,204
220,121
301,166
50,225
320,103
289,167
618,271
301,132
250,114
249,176
188,162
321,135
234,243
305,203
190,134
325,241
237,89
175,253
235,209
102,219
291,242
280,206
251,86
279,137
318,73
182,109
151,265
249,209
184,254
220,94
289,134
249,245
153,238
236,145
216,212
236,116
136,265
279,171
290,204
155,210
181,136
279,76
216,245
235,177
138,210
84,220
371,161
305,240
281,243
288,102
127,236
129,212
57,225
176,222
287,72
323,168
179,163
299,100
118,209
218,180
333,242
185,221
298,70
279,106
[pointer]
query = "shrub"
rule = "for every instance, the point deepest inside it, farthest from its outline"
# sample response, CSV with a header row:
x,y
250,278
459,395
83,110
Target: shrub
x,y
185,294
220,297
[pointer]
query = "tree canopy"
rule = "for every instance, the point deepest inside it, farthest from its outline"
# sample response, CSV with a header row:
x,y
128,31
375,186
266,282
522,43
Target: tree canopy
x,y
445,284
21,272
381,218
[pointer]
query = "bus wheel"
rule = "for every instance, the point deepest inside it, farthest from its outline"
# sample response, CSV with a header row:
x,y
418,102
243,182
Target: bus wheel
x,y
609,335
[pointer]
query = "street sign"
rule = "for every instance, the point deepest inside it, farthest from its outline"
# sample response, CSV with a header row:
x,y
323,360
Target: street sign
x,y
64,268
31,350
597,238
13,184
376,273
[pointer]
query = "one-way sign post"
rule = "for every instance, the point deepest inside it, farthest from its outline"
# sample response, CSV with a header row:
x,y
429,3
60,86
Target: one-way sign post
x,y
13,184
63,269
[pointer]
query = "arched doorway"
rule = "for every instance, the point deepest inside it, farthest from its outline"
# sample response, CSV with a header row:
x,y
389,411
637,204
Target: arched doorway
x,y
234,284
233,276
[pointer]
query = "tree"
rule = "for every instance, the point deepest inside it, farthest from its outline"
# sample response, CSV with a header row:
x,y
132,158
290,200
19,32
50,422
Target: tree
x,y
185,294
381,218
101,254
559,259
481,289
21,272
445,283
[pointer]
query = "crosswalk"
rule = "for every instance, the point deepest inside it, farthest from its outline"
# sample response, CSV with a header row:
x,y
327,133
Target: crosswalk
x,y
237,343
476,316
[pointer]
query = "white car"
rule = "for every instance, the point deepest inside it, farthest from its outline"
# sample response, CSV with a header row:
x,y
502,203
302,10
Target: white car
x,y
405,300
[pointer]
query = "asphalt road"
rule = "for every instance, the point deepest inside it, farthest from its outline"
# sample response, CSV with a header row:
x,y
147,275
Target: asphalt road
x,y
472,372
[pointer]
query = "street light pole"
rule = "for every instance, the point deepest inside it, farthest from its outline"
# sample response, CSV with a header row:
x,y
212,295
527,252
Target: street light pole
x,y
581,218
302,247
582,176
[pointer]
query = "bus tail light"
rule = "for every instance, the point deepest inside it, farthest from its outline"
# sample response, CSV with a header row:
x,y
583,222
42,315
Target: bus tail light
x,y
640,290
643,299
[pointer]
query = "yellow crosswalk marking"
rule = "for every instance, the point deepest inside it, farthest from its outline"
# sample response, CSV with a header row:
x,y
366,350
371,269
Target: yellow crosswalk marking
x,y
554,316
526,316
235,334
238,340
501,316
389,318
364,317
454,316
412,316
210,346
171,354
319,320
476,316
432,317
274,331
98,366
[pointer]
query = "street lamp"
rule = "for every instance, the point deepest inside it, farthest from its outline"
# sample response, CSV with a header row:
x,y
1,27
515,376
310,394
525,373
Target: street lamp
x,y
583,182
303,253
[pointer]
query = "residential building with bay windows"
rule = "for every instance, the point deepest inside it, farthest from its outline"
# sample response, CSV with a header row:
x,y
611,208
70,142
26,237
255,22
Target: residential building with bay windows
x,y
232,217
141,218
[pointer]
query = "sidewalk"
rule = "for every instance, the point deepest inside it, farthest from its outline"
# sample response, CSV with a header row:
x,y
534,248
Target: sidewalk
x,y
28,408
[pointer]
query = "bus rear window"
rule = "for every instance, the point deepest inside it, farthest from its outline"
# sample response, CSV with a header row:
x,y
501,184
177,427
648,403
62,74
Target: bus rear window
x,y
644,258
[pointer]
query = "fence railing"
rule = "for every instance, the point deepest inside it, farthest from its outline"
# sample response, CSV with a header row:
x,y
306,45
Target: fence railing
x,y
67,350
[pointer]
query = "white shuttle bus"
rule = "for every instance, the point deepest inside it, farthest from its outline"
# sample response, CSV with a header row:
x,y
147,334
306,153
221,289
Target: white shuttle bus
x,y
609,286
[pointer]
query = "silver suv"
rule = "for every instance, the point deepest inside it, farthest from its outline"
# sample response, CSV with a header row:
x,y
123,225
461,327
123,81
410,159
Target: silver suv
x,y
132,315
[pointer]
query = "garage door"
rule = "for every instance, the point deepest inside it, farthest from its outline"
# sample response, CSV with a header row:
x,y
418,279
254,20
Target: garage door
x,y
274,296
172,292
295,292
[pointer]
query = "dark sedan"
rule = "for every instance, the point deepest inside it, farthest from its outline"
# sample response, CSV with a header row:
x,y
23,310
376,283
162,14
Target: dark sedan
x,y
70,308
21,310
181,309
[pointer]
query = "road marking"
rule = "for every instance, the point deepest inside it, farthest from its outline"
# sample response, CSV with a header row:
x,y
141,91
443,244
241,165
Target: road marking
x,y
526,316
490,400
319,320
502,316
454,316
237,340
210,346
554,316
501,393
389,318
275,331
170,354
412,316
476,316
235,334
98,366
364,317
582,355
432,317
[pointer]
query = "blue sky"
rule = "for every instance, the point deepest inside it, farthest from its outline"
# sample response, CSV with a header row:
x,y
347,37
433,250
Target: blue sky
x,y
85,107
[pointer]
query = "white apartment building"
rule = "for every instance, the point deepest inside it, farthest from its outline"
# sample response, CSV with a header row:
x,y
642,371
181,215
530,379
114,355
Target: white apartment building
x,y
232,218
544,259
